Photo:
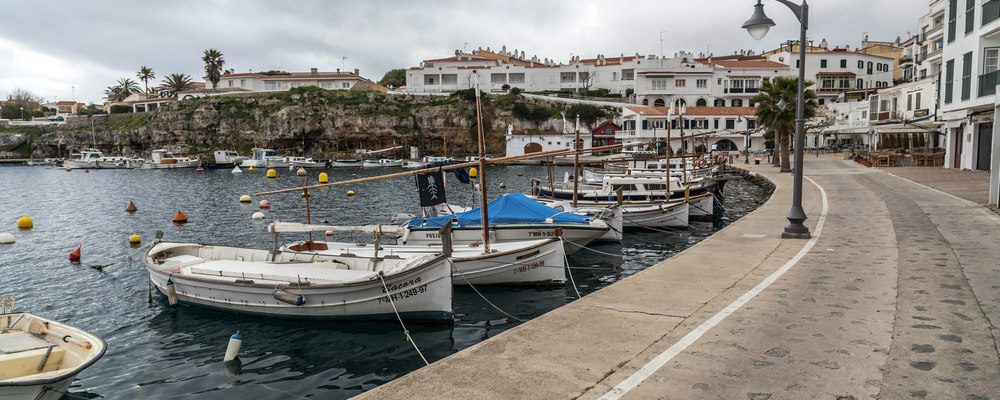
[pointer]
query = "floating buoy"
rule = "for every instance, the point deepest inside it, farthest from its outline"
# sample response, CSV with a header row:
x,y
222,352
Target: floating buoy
x,y
265,204
271,173
87,170
245,198
180,218
324,178
519,174
327,233
171,293
131,208
503,185
301,172
69,168
135,239
350,193
257,215
291,168
237,170
25,223
473,172
6,238
250,169
74,255
233,349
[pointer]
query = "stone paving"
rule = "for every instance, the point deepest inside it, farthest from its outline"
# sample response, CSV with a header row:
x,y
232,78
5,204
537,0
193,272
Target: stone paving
x,y
970,185
899,298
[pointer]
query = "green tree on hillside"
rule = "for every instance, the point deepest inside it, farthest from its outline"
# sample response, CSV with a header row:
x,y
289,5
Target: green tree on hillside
x,y
213,66
394,78
145,75
174,83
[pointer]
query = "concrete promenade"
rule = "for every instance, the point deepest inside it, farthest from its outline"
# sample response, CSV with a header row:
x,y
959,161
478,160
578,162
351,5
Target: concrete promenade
x,y
896,296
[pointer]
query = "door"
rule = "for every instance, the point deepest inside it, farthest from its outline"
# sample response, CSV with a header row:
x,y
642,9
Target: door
x,y
959,135
985,146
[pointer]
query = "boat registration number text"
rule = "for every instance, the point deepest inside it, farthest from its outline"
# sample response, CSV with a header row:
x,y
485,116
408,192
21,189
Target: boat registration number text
x,y
416,291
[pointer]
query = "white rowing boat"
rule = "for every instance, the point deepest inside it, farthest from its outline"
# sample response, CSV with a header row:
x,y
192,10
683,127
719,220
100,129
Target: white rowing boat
x,y
303,285
39,357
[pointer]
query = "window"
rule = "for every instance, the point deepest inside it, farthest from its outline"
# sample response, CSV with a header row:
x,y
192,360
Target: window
x,y
295,84
843,63
967,76
659,103
701,103
719,103
584,77
702,83
822,63
230,83
326,85
822,101
949,81
431,80
751,124
345,85
991,56
730,124
873,107
658,84
737,102
498,79
567,77
514,78
861,64
798,63
829,83
614,76
680,82
716,124
845,83
449,79
952,19
970,15
243,82
271,86
628,74
909,102
861,84
918,100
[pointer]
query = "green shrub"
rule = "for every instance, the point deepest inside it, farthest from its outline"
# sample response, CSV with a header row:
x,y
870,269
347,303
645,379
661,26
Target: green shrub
x,y
121,109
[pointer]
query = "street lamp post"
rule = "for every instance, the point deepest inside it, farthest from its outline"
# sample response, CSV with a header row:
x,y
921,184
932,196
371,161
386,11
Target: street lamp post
x,y
757,26
22,113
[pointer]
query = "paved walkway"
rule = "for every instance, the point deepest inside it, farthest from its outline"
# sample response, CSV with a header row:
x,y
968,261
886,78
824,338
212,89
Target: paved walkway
x,y
895,297
970,185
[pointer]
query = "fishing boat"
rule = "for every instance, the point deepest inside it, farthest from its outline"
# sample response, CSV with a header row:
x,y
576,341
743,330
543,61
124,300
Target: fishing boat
x,y
224,159
165,159
94,159
382,162
347,163
47,161
304,162
415,164
532,262
631,188
40,357
302,284
265,158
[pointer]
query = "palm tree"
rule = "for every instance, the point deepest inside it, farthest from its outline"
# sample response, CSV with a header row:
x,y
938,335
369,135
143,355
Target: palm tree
x,y
781,120
213,65
174,83
145,75
125,87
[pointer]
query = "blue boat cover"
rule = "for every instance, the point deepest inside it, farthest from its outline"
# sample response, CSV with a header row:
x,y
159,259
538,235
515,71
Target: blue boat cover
x,y
513,208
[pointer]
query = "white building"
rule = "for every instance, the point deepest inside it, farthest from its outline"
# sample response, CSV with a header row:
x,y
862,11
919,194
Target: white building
x,y
846,123
274,81
839,70
718,128
903,116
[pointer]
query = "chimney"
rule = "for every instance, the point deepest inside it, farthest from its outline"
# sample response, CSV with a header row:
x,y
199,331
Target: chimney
x,y
338,70
357,72
313,70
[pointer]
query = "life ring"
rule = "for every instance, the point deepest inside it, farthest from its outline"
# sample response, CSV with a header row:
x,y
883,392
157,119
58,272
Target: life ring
x,y
702,163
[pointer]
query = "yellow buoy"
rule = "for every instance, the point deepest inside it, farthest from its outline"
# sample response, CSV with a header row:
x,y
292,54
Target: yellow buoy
x,y
473,172
25,223
245,198
301,172
250,169
324,178
350,193
134,239
271,173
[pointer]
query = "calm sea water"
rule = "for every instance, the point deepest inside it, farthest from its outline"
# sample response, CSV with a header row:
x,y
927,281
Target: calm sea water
x,y
158,352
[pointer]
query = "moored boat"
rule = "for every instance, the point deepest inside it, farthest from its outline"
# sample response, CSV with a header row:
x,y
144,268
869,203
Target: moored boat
x,y
224,159
305,162
347,163
383,162
94,159
165,159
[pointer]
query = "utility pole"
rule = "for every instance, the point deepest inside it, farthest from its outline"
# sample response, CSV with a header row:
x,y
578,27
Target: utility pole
x,y
661,43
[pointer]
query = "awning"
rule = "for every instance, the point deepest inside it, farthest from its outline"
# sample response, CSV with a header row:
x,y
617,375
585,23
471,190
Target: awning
x,y
952,124
900,128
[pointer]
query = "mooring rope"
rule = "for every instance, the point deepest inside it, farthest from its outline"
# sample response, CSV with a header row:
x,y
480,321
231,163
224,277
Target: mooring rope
x,y
596,251
481,295
652,228
406,332
570,273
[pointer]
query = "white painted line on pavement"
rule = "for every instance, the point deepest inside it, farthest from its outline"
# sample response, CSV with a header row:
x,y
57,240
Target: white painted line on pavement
x,y
663,358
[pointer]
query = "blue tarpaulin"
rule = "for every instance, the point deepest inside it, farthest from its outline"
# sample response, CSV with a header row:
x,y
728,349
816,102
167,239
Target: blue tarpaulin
x,y
514,208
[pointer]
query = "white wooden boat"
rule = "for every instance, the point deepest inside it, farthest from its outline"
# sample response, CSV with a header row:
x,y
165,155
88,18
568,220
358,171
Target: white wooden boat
x,y
413,164
225,159
265,158
94,159
304,162
611,214
39,357
165,159
47,161
382,162
302,285
347,163
663,214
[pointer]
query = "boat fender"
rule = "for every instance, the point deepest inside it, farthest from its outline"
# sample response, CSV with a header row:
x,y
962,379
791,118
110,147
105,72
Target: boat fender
x,y
171,293
233,349
288,297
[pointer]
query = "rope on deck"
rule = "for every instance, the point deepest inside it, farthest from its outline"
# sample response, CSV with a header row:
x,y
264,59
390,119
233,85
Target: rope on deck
x,y
406,332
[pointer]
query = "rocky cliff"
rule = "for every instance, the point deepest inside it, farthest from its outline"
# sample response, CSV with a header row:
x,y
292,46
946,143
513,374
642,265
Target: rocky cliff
x,y
307,121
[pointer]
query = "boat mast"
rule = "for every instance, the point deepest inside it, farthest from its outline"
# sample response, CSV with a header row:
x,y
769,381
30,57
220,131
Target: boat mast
x,y
93,134
668,152
482,171
576,162
305,193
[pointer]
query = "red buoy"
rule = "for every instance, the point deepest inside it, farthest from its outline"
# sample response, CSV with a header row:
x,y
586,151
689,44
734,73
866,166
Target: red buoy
x,y
74,255
131,208
180,218
265,204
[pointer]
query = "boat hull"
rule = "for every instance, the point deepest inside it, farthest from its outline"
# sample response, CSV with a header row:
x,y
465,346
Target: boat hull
x,y
663,215
346,164
117,164
308,164
72,350
575,236
177,165
702,205
52,391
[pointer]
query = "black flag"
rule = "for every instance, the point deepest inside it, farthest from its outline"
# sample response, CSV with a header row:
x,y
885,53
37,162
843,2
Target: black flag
x,y
431,188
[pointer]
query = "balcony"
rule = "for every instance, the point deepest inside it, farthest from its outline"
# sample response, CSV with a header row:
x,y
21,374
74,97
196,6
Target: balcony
x,y
991,11
741,90
734,90
988,83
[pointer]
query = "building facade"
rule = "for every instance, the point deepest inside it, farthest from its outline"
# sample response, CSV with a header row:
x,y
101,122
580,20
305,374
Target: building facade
x,y
717,128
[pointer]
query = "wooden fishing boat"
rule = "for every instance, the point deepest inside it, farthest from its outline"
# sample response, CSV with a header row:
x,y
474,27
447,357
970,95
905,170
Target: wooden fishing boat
x,y
302,285
165,159
39,357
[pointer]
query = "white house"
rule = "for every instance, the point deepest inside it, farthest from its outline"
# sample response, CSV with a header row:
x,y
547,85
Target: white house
x,y
903,116
273,81
847,123
719,128
837,71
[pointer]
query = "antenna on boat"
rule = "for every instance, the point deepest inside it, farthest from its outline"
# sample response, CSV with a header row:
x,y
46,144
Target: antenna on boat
x,y
482,171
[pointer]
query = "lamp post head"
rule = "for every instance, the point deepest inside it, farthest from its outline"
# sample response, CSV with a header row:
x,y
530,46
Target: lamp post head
x,y
782,104
759,23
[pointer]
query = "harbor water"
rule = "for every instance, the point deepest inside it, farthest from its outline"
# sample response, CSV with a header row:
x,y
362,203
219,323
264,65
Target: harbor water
x,y
159,352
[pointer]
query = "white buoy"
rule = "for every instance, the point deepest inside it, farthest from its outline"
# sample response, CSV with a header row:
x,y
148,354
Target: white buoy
x,y
6,238
233,349
257,215
291,168
171,293
237,170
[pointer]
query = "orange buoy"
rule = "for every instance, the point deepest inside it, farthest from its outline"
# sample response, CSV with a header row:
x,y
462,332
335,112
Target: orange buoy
x,y
180,218
131,208
74,255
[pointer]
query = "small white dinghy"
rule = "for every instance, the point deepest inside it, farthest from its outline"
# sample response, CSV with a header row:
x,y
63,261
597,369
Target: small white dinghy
x,y
39,357
303,284
531,262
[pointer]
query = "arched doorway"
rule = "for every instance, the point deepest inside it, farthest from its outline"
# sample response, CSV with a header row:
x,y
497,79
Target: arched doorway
x,y
680,103
659,103
645,102
701,103
532,148
725,145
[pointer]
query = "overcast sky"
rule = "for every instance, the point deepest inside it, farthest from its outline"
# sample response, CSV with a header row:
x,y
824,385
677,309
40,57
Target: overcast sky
x,y
51,46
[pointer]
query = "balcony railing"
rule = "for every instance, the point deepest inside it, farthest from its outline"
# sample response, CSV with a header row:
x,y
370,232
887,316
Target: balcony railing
x,y
991,11
734,90
988,83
